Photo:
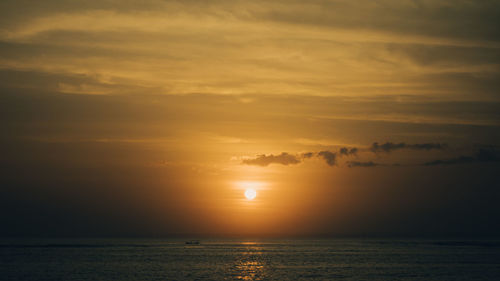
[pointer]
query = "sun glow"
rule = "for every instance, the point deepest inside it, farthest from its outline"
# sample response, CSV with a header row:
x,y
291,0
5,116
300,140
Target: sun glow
x,y
250,194
250,188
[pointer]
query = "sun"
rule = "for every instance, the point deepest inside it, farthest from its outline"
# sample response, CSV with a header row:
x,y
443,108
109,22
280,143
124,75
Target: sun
x,y
250,188
250,193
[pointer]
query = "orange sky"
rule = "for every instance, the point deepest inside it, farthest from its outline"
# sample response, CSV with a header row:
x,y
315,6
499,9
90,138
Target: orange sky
x,y
150,117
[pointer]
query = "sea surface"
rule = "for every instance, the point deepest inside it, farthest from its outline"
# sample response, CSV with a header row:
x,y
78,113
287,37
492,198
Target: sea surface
x,y
336,259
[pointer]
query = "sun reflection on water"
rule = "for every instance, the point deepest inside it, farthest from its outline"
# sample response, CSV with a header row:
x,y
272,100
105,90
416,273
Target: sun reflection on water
x,y
250,270
250,264
249,243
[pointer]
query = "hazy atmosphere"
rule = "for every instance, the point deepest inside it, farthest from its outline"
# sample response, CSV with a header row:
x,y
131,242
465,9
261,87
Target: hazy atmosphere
x,y
345,118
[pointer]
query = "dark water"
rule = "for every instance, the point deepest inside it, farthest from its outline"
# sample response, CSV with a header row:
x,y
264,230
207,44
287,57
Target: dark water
x,y
354,259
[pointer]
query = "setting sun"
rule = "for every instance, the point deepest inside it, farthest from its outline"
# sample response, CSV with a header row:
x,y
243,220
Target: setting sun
x,y
135,137
250,194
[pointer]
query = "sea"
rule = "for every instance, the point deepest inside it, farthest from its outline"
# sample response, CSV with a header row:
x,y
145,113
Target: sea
x,y
249,259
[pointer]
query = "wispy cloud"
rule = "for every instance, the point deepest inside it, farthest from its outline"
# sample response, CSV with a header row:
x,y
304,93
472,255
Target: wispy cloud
x,y
482,155
389,146
423,43
352,164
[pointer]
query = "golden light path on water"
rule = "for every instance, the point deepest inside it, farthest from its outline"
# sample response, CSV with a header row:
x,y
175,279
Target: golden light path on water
x,y
250,265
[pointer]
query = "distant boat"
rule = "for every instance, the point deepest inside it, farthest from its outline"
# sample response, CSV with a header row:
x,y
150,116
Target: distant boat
x,y
193,242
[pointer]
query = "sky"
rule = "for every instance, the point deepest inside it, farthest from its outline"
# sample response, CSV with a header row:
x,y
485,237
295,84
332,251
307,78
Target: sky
x,y
151,118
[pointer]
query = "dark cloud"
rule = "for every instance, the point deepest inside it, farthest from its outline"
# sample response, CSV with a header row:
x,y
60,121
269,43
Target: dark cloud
x,y
352,164
265,160
389,146
330,157
307,155
386,147
482,155
287,159
344,151
489,154
428,146
457,160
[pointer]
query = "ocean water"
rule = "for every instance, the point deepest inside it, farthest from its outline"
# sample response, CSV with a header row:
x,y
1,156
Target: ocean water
x,y
336,259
